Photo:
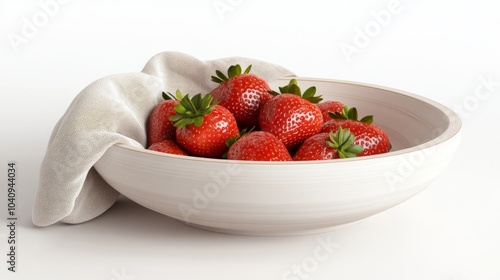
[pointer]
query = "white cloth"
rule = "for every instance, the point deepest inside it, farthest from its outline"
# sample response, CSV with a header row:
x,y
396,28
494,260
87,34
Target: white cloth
x,y
113,110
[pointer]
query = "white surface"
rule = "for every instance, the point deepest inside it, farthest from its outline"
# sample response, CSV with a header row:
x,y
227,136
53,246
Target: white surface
x,y
295,198
440,50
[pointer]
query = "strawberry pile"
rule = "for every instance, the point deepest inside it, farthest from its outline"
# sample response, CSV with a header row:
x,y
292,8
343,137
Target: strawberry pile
x,y
243,119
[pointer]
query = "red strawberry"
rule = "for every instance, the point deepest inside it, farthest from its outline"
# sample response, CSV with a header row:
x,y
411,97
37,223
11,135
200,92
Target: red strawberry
x,y
168,146
328,146
159,126
258,146
291,116
372,138
203,127
329,106
242,94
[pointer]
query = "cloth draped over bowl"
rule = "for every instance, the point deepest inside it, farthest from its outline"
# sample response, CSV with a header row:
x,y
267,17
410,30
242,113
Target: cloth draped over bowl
x,y
112,110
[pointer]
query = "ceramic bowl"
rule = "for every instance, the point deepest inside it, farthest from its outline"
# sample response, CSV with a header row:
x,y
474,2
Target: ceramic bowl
x,y
289,198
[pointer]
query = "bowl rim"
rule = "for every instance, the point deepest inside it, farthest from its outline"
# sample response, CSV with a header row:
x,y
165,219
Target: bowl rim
x,y
453,129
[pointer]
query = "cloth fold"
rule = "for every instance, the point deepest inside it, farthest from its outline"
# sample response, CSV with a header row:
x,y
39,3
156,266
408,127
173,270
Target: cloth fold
x,y
114,110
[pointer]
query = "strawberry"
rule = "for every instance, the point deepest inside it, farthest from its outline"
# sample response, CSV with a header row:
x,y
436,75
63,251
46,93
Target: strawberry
x,y
168,146
291,116
258,146
242,94
203,127
372,138
328,146
159,126
329,106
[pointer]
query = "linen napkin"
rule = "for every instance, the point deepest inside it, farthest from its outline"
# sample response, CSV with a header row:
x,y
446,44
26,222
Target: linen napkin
x,y
112,110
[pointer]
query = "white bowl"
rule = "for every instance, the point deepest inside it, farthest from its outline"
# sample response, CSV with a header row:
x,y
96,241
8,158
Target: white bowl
x,y
288,198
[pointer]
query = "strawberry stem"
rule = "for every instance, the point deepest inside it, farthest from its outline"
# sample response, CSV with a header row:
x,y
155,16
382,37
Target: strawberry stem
x,y
243,132
170,96
233,140
293,88
232,71
191,110
343,142
350,114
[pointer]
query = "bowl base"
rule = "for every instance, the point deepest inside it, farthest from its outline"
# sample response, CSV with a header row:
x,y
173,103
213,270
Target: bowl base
x,y
273,233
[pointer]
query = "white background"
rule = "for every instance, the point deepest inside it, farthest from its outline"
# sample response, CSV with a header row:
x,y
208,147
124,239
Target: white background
x,y
441,50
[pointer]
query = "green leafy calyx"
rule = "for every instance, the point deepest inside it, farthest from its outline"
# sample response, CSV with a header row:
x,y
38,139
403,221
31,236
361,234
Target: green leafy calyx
x,y
232,71
293,88
170,96
191,110
233,140
350,114
343,142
